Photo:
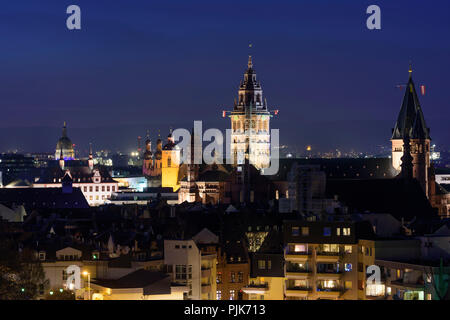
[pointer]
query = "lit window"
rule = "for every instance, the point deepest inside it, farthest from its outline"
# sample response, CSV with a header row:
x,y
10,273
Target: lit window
x,y
348,284
346,231
218,295
375,290
300,248
338,231
348,249
231,294
305,231
261,264
348,267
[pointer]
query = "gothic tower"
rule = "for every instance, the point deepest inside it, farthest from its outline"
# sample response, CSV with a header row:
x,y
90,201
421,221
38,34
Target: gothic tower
x,y
157,167
147,164
250,130
189,190
411,125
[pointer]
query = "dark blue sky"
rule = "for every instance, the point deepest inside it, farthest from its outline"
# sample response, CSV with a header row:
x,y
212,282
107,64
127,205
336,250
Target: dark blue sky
x,y
142,64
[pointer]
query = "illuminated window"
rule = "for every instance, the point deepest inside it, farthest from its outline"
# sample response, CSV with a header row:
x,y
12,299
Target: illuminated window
x,y
375,290
231,294
305,231
300,248
388,290
348,267
218,295
348,284
338,231
346,231
348,249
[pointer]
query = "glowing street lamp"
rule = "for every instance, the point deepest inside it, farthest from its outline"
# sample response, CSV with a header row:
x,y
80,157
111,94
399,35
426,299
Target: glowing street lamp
x,y
85,273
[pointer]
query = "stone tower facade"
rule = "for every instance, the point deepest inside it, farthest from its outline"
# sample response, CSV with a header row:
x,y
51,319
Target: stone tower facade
x,y
250,123
170,164
411,126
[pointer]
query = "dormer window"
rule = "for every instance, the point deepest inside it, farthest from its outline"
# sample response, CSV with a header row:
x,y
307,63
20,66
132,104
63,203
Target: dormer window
x,y
42,255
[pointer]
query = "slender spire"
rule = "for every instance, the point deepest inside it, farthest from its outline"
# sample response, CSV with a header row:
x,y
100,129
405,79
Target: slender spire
x,y
90,150
64,131
410,69
250,63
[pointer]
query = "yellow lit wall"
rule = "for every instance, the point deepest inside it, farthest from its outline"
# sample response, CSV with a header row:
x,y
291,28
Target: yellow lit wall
x,y
170,169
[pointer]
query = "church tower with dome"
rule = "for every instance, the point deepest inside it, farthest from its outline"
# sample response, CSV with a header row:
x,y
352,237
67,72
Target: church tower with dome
x,y
64,147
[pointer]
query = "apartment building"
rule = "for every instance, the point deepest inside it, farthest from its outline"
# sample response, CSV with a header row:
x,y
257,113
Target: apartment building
x,y
183,261
327,259
266,281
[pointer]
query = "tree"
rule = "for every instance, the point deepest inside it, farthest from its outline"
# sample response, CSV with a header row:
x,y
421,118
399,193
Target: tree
x,y
22,275
442,287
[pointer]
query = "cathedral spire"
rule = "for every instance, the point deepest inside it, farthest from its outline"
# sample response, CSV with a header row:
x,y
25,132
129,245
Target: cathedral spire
x,y
90,150
64,130
410,113
250,63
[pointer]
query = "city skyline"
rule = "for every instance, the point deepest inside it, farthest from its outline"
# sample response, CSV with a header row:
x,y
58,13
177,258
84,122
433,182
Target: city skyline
x,y
113,79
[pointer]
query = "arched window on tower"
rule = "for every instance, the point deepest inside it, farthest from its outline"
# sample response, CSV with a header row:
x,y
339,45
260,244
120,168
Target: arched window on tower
x,y
169,162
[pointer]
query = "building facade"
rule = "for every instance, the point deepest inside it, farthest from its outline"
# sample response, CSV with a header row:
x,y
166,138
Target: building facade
x,y
250,123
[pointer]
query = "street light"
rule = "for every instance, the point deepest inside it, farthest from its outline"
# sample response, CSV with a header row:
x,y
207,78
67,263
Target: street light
x,y
85,273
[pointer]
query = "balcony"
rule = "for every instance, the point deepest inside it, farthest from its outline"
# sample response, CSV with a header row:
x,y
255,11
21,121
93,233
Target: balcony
x,y
326,256
328,275
323,292
256,288
297,291
296,272
300,256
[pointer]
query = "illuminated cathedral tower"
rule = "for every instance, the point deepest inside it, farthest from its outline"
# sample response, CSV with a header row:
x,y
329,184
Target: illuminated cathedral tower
x,y
250,118
411,126
64,146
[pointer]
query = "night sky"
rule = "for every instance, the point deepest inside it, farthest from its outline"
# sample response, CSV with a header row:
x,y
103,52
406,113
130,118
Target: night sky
x,y
142,64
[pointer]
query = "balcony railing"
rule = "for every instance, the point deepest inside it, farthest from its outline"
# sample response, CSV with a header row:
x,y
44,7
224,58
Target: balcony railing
x,y
326,289
301,288
329,271
256,288
329,253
